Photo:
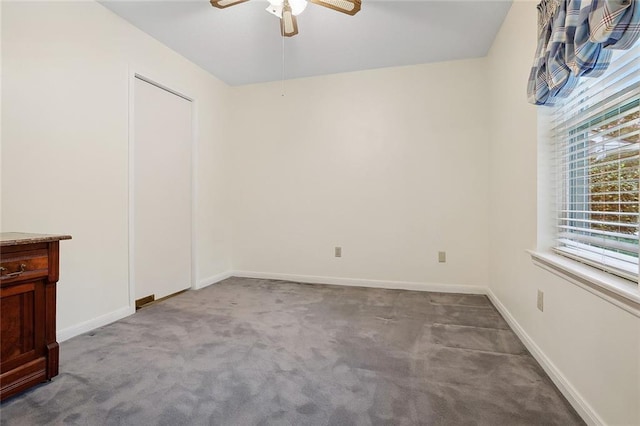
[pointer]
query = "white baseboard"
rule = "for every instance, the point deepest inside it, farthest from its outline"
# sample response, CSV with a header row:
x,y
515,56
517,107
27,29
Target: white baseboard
x,y
76,330
212,280
359,282
583,408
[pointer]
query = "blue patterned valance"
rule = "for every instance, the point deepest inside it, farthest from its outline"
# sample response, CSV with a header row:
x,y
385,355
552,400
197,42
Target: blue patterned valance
x,y
575,38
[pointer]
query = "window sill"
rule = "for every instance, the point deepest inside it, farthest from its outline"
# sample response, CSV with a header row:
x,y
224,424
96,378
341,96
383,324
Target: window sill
x,y
615,290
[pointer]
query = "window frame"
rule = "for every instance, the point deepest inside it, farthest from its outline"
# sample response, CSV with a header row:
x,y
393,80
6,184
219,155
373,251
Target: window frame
x,y
622,292
576,197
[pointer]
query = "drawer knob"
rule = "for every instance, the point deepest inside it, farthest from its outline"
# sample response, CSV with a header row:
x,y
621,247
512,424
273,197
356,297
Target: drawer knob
x,y
13,274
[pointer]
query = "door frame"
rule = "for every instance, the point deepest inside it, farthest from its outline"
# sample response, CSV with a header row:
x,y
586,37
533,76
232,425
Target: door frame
x,y
133,75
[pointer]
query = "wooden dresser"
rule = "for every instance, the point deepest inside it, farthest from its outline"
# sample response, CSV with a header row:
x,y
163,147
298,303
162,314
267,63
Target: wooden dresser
x,y
28,276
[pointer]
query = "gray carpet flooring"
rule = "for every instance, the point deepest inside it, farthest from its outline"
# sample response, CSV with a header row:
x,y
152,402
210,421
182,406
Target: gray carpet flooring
x,y
261,352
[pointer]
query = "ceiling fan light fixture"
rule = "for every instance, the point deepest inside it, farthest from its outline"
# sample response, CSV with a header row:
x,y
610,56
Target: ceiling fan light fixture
x,y
288,22
350,7
275,8
297,7
221,4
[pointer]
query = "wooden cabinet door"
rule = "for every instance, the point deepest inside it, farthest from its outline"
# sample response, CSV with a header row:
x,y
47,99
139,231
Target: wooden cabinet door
x,y
21,323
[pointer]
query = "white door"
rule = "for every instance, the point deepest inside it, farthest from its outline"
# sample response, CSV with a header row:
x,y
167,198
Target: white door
x,y
162,191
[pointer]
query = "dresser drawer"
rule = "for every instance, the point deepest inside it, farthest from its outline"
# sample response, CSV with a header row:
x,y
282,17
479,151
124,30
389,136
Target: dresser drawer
x,y
23,264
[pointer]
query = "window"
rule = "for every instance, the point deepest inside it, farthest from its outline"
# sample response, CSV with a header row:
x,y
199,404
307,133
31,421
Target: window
x,y
596,138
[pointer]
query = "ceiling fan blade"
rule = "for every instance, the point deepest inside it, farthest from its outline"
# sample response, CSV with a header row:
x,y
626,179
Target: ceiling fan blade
x,y
350,7
288,22
221,4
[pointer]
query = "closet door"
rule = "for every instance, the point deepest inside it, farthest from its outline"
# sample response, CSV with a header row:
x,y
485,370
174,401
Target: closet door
x,y
162,191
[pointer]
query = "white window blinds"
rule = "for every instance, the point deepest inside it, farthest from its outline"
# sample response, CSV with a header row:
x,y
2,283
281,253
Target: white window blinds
x,y
596,139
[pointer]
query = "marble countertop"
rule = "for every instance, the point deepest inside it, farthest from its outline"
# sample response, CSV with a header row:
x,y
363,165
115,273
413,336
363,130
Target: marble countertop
x,y
17,238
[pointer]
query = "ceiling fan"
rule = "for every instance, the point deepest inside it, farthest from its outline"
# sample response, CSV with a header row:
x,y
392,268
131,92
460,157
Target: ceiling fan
x,y
287,10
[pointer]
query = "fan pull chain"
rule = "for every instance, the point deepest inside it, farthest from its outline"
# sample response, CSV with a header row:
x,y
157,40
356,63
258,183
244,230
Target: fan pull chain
x,y
282,66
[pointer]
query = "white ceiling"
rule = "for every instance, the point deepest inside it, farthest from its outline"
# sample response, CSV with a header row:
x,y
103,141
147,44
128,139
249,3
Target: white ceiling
x,y
242,44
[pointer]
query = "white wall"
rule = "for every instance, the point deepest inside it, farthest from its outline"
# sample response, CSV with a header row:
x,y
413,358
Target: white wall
x,y
389,164
594,345
65,76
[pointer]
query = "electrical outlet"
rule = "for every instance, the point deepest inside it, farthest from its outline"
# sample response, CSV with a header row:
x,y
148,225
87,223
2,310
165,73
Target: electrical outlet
x,y
540,301
338,252
442,256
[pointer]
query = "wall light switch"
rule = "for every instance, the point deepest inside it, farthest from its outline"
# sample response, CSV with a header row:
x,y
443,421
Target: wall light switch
x,y
338,251
442,256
